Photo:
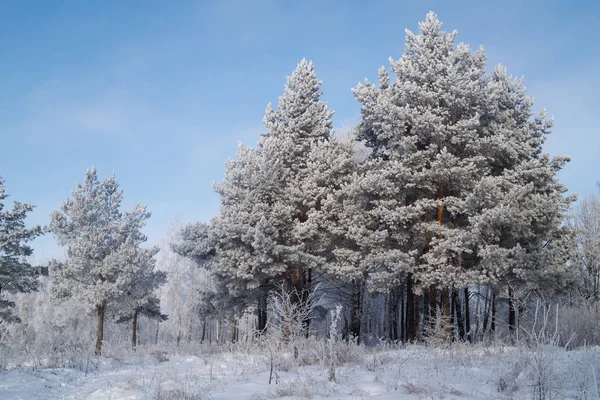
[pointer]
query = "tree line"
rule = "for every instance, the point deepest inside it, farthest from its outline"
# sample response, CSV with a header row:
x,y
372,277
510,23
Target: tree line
x,y
438,205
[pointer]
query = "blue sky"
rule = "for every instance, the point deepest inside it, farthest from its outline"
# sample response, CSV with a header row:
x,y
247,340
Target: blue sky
x,y
162,92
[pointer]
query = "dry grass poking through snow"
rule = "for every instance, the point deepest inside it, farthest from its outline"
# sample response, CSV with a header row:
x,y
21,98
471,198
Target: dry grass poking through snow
x,y
242,372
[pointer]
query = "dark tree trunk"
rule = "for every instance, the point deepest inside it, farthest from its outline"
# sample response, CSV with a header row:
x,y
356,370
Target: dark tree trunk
x,y
512,312
493,323
233,331
417,318
306,285
394,302
432,306
486,311
459,314
446,311
402,316
134,330
203,331
410,310
100,329
467,316
262,313
357,309
521,308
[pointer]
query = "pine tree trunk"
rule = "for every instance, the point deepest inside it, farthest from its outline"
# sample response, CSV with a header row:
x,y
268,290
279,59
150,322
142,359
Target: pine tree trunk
x,y
156,337
306,286
446,310
262,313
410,310
393,310
402,316
100,328
357,305
467,316
486,311
234,331
512,312
203,331
459,314
426,310
429,308
417,323
493,323
179,330
521,308
134,330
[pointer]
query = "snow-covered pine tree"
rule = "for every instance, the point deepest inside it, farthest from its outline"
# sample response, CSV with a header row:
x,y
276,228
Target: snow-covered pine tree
x,y
97,235
297,132
16,274
457,187
236,245
263,235
140,297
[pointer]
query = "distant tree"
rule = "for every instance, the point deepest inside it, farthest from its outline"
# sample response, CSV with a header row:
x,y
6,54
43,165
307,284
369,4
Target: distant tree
x,y
16,274
140,297
586,224
188,285
100,238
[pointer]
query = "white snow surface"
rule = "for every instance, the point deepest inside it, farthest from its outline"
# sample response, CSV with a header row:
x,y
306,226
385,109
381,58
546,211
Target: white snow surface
x,y
415,372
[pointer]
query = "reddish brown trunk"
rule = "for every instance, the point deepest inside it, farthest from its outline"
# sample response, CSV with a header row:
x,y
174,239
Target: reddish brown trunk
x,y
100,328
234,331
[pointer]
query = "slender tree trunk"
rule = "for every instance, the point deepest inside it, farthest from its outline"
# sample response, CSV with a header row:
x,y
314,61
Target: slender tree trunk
x,y
402,316
100,329
394,313
203,331
467,316
417,318
134,330
486,311
156,337
429,308
179,329
262,313
459,314
357,309
219,334
512,312
234,331
446,311
306,286
410,311
521,308
426,311
493,323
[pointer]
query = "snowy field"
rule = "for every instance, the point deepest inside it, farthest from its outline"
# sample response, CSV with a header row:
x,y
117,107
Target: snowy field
x,y
414,372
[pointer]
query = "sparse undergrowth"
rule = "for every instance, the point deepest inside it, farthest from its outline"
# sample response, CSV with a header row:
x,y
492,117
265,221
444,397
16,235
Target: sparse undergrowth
x,y
538,371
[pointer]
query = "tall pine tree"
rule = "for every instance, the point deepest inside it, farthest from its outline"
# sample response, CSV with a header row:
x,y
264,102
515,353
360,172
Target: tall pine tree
x,y
457,187
16,274
99,238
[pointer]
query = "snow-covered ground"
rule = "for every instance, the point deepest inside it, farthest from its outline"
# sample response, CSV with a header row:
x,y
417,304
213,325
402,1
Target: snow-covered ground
x,y
415,372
